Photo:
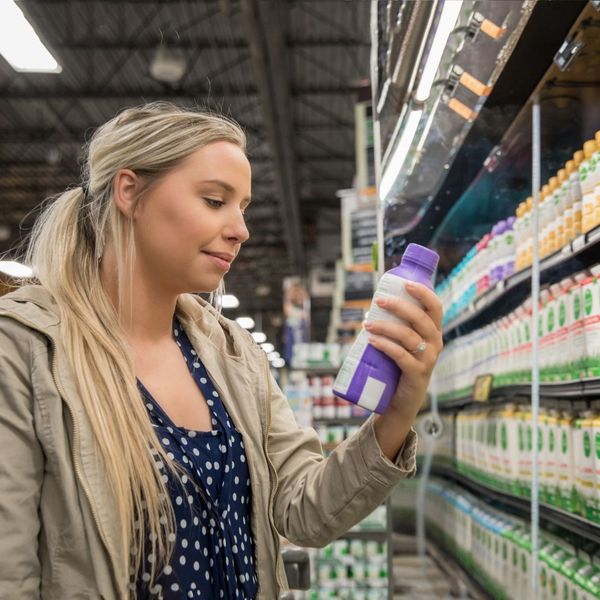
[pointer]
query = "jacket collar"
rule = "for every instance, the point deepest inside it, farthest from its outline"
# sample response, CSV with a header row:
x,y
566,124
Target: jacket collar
x,y
225,349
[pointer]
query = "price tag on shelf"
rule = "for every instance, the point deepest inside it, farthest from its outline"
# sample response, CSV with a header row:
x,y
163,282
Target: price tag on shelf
x,y
482,388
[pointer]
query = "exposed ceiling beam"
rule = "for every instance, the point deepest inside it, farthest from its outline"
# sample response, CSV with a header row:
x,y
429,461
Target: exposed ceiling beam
x,y
263,23
92,45
155,93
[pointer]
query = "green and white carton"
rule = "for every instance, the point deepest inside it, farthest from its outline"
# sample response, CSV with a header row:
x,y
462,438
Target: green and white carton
x,y
591,308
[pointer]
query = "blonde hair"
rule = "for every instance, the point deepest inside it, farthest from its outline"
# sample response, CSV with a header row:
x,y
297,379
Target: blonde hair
x,y
65,251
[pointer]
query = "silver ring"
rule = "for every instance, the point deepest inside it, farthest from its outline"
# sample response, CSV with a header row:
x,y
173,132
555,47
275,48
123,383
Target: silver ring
x,y
420,348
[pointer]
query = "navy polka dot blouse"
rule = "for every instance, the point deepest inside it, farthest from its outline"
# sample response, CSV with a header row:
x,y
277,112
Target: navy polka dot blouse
x,y
213,555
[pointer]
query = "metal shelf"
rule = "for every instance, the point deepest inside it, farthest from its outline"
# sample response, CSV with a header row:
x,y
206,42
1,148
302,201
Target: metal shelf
x,y
550,393
551,267
465,581
340,421
568,521
316,370
375,535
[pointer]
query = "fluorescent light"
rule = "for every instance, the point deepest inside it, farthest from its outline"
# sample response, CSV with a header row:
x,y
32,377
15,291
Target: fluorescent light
x,y
267,347
274,355
20,44
278,363
14,268
450,12
398,157
245,322
230,301
259,337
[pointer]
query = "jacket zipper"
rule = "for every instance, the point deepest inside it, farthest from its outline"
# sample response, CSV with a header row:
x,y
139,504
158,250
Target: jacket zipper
x,y
272,467
76,440
269,463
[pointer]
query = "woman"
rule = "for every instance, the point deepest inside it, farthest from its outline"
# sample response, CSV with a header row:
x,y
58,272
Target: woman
x,y
146,449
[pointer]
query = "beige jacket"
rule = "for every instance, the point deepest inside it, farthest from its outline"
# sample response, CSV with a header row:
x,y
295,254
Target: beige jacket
x,y
57,532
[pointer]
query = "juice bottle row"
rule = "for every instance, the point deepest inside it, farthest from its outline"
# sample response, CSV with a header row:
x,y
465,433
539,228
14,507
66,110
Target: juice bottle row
x,y
569,332
569,206
496,547
496,448
327,406
311,397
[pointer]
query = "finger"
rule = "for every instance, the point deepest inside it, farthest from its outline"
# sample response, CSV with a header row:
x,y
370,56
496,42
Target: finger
x,y
402,357
414,315
401,334
430,301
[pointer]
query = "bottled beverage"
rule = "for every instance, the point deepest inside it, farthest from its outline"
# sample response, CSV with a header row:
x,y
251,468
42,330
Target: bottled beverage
x,y
368,377
576,194
587,177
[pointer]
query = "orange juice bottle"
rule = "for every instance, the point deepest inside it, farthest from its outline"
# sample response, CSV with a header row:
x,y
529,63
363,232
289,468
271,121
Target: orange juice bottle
x,y
569,232
596,160
560,205
552,199
587,178
576,194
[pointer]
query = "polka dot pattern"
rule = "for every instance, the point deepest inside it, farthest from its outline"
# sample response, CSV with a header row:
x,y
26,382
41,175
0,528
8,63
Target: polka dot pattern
x,y
213,555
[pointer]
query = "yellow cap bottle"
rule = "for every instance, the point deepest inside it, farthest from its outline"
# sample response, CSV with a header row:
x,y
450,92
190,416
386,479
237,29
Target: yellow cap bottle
x,y
597,178
586,179
589,148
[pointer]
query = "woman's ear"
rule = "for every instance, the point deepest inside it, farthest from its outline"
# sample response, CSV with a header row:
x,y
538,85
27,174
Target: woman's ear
x,y
126,187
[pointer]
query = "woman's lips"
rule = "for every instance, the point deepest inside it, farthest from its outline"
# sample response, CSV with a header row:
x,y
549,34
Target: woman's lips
x,y
218,261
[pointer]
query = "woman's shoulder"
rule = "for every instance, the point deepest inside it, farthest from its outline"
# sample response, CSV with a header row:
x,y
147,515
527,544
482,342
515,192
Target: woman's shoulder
x,y
27,315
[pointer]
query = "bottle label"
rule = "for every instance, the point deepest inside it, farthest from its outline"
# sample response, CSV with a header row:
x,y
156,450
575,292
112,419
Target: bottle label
x,y
345,374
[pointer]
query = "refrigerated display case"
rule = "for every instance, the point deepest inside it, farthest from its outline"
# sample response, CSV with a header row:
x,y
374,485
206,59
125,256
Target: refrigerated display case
x,y
487,132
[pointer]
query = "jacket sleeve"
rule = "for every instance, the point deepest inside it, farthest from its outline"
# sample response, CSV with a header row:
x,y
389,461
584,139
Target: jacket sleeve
x,y
21,468
318,499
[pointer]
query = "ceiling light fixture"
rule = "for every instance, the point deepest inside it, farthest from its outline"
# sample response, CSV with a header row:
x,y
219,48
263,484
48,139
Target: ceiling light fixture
x,y
230,301
278,363
245,322
15,269
273,355
268,347
398,157
450,12
20,44
168,64
259,337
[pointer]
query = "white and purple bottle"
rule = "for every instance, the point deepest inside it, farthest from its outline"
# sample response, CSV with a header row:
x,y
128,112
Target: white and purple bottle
x,y
368,377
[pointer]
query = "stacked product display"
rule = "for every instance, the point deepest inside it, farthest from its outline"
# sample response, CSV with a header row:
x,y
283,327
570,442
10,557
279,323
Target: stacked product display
x,y
495,448
569,206
569,332
350,569
354,567
496,548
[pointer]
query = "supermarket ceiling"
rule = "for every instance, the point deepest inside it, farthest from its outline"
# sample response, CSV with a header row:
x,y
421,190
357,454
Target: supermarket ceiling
x,y
289,72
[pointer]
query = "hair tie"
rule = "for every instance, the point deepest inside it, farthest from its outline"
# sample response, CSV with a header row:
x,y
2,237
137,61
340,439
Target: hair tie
x,y
86,192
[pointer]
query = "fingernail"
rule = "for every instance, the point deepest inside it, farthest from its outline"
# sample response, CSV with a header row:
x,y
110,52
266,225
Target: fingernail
x,y
381,301
410,286
373,340
368,325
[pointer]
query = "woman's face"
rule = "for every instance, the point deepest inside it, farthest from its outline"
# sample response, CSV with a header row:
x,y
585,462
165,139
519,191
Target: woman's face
x,y
190,226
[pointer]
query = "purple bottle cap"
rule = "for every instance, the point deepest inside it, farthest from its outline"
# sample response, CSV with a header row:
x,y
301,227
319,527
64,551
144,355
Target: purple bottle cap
x,y
510,222
421,256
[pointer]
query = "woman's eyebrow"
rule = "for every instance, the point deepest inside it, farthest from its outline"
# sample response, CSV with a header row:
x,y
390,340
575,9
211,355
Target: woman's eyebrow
x,y
226,186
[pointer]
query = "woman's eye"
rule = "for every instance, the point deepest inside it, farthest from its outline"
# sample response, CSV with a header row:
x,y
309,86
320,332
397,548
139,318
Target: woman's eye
x,y
214,203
